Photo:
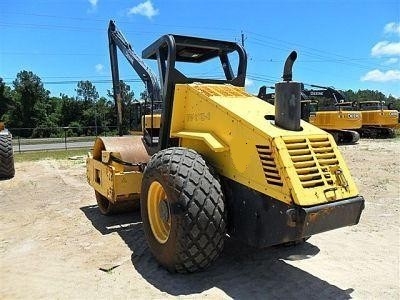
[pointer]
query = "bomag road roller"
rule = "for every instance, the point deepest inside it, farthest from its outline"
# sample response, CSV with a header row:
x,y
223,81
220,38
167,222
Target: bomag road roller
x,y
7,169
378,119
217,161
326,109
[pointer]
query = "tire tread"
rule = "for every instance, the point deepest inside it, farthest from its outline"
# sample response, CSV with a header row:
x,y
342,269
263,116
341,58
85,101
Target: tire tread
x,y
203,227
7,169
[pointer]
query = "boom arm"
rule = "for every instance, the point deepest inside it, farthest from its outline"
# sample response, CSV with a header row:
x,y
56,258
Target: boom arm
x,y
324,92
116,39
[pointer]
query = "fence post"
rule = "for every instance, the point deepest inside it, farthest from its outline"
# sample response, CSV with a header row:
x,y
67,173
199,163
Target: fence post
x,y
65,137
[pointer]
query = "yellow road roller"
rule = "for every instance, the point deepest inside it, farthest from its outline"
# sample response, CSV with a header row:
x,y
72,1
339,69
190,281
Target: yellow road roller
x,y
214,160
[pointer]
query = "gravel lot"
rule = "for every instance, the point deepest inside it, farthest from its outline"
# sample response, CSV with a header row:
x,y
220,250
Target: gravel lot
x,y
54,244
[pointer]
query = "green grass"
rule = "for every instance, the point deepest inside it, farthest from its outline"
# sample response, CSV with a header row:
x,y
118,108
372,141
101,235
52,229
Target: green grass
x,y
50,154
397,132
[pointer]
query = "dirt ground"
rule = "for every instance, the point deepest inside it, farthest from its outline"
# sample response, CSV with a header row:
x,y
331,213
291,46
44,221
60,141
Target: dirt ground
x,y
54,244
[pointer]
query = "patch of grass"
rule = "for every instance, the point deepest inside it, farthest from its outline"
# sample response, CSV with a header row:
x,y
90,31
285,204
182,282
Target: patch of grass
x,y
49,154
397,131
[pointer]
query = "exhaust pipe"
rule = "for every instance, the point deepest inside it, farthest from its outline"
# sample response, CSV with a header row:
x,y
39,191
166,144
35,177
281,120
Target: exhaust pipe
x,y
288,98
287,69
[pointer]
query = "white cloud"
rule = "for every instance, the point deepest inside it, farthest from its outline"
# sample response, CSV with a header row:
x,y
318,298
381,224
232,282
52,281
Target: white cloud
x,y
145,9
248,82
391,61
379,76
392,28
99,68
386,48
93,3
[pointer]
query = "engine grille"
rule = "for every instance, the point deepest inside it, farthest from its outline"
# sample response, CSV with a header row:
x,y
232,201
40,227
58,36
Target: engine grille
x,y
312,158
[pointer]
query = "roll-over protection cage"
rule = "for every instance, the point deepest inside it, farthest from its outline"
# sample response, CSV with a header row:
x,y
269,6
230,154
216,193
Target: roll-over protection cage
x,y
168,50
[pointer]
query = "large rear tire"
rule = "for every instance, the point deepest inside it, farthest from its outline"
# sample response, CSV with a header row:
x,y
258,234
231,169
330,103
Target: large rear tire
x,y
6,157
183,210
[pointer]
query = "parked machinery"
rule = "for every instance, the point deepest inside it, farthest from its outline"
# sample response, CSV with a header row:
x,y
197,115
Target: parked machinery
x,y
326,109
7,169
378,119
218,160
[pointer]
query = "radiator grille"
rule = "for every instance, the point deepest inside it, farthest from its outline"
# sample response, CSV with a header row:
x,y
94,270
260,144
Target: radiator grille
x,y
312,158
268,164
221,90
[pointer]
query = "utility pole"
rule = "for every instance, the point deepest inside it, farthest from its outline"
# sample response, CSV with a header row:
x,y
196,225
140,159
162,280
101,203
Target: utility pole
x,y
243,38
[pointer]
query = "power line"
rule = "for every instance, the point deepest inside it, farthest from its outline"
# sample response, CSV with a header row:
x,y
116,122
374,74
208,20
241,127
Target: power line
x,y
277,43
262,40
59,82
52,53
121,22
322,55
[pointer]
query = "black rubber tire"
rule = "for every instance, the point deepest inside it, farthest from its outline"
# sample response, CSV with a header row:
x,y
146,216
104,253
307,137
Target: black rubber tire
x,y
7,169
197,210
108,208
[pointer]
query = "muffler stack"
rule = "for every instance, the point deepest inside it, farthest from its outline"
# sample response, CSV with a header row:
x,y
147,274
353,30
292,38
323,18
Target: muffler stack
x,y
288,98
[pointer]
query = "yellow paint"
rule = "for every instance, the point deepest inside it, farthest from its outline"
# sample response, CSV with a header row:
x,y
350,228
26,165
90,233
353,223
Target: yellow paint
x,y
337,120
384,118
146,121
291,166
112,183
235,132
160,225
212,141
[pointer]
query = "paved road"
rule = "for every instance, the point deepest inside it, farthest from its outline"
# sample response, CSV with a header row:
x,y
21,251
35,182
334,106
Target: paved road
x,y
51,146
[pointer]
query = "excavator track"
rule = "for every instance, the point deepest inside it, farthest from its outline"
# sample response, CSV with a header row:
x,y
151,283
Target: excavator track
x,y
377,132
345,136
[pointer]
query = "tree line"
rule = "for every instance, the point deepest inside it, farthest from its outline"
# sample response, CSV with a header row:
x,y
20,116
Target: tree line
x,y
27,104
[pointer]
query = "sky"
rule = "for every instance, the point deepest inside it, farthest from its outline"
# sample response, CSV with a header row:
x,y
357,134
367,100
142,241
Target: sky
x,y
347,44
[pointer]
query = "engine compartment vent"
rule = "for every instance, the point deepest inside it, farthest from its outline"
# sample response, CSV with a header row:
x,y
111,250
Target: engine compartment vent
x,y
268,164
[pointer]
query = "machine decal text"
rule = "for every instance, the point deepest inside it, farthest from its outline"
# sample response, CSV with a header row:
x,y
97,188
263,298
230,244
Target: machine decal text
x,y
198,117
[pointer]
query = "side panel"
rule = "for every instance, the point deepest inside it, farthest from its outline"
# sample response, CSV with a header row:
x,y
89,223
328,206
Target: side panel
x,y
385,118
195,111
115,186
336,120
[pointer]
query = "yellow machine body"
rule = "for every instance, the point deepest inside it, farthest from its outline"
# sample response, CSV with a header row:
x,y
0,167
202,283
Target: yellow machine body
x,y
217,160
236,133
383,118
112,182
147,121
106,172
378,120
337,120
